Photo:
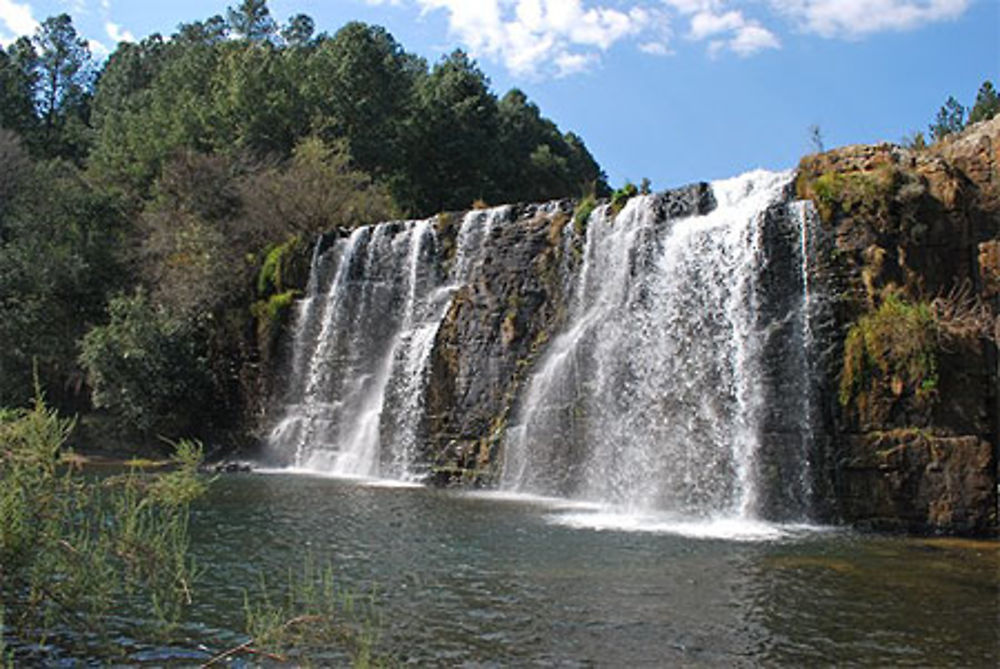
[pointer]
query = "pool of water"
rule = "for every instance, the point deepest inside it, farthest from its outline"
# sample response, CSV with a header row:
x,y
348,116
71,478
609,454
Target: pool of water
x,y
492,580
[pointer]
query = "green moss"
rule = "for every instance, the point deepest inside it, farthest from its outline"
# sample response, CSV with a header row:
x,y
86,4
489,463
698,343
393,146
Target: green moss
x,y
891,350
582,214
621,196
273,309
850,193
271,278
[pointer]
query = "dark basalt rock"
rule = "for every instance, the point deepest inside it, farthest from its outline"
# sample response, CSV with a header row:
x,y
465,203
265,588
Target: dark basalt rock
x,y
692,200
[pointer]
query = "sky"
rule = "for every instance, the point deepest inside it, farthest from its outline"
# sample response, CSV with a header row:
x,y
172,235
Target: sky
x,y
674,91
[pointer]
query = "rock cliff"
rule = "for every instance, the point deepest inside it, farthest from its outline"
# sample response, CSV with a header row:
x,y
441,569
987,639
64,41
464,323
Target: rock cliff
x,y
910,264
433,330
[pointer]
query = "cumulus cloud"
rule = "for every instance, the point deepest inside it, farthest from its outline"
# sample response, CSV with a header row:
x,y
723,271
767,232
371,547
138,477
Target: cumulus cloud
x,y
562,37
547,36
17,18
117,33
98,50
724,28
857,18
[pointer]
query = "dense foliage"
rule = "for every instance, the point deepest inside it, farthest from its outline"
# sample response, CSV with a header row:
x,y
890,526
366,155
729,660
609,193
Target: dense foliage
x,y
140,197
76,555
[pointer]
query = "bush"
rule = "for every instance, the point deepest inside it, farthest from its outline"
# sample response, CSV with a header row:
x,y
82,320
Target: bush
x,y
582,214
75,550
891,350
145,368
272,277
852,193
312,622
621,196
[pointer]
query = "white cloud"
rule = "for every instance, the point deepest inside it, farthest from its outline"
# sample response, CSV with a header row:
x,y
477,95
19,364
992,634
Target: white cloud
x,y
117,33
75,7
751,38
655,48
726,29
857,18
545,36
560,37
98,50
18,20
705,23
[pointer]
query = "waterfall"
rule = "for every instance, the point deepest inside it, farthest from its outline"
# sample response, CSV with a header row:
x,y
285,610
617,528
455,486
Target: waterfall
x,y
362,338
676,377
652,396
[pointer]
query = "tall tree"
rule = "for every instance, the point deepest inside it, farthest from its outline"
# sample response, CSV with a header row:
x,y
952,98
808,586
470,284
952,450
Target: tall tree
x,y
950,118
361,82
17,111
251,20
65,75
987,104
453,161
212,30
299,30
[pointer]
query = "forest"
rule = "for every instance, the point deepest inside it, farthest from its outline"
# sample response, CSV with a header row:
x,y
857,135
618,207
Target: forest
x,y
156,208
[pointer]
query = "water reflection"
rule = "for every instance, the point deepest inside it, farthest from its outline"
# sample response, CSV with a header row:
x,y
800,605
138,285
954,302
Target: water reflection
x,y
472,579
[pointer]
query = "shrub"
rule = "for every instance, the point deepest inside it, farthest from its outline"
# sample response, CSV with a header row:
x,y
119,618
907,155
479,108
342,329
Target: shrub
x,y
582,214
272,277
621,196
892,349
74,550
145,367
851,193
312,621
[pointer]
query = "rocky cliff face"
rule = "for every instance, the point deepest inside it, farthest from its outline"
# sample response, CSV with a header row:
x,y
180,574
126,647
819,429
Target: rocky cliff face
x,y
910,263
492,333
425,335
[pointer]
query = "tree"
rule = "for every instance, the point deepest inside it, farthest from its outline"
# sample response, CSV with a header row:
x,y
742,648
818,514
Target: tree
x,y
213,30
58,261
816,138
17,109
145,367
361,82
252,21
65,79
453,158
950,119
987,104
316,191
14,165
299,30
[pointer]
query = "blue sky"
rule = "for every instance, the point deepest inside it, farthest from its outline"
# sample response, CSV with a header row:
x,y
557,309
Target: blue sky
x,y
672,90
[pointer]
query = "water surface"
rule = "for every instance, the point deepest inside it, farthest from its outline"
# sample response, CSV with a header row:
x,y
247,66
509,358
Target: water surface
x,y
494,580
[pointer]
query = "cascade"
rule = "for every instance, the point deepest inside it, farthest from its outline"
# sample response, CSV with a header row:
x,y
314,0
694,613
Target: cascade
x,y
677,379
362,339
654,395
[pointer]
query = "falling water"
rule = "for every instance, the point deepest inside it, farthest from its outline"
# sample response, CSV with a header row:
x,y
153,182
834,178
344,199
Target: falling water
x,y
651,398
679,382
363,336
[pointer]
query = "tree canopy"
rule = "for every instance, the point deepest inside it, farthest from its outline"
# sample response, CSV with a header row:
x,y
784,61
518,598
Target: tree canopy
x,y
141,198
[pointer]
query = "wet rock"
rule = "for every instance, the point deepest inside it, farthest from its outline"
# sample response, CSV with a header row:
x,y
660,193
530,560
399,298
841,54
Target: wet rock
x,y
908,480
232,468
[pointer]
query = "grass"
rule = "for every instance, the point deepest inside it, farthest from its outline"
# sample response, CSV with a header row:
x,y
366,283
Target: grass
x,y
582,214
893,349
850,193
311,616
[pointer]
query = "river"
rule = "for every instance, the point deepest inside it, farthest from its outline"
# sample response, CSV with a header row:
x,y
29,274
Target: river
x,y
480,579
